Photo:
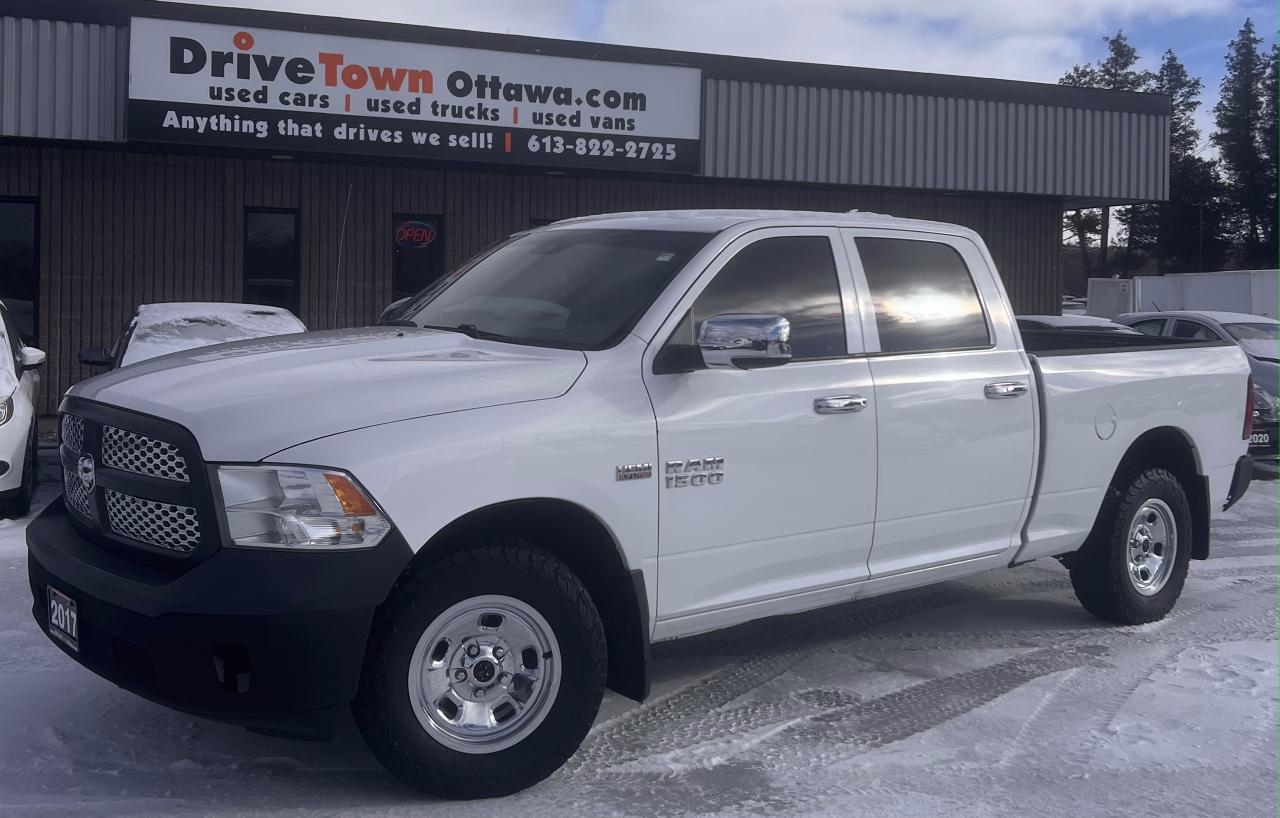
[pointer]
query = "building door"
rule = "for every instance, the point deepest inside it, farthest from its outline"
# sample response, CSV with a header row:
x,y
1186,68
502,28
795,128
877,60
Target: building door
x,y
19,266
766,491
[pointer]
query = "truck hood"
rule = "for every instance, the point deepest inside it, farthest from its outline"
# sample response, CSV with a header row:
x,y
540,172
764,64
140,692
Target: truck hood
x,y
249,399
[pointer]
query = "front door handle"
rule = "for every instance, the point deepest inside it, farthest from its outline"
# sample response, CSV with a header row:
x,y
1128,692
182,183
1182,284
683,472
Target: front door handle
x,y
838,404
1005,389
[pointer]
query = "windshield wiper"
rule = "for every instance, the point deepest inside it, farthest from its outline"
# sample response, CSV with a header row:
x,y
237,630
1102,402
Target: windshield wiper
x,y
469,330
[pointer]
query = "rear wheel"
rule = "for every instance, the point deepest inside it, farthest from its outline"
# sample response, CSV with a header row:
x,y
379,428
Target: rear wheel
x,y
1133,567
484,672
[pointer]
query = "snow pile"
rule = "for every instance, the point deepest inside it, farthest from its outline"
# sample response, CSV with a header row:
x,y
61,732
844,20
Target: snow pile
x,y
163,328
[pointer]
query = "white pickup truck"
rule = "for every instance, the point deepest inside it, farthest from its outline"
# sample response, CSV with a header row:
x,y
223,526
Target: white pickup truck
x,y
598,434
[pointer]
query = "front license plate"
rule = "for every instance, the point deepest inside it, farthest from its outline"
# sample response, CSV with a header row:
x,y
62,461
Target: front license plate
x,y
64,621
1260,439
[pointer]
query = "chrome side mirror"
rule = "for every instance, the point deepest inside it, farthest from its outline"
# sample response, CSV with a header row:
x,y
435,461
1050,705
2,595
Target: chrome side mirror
x,y
745,341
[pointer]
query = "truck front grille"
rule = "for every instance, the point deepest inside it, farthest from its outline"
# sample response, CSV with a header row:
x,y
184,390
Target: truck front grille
x,y
138,482
166,525
142,455
76,494
73,432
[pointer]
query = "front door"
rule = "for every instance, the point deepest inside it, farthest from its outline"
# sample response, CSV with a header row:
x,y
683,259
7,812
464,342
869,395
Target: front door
x,y
955,400
762,497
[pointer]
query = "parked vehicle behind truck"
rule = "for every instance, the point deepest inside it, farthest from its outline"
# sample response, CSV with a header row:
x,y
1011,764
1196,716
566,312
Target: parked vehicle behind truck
x,y
1259,338
598,434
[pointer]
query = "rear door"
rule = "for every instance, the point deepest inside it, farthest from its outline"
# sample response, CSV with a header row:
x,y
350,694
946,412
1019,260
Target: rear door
x,y
955,406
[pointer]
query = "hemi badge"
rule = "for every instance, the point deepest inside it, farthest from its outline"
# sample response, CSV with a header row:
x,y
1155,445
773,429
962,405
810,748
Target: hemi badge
x,y
634,471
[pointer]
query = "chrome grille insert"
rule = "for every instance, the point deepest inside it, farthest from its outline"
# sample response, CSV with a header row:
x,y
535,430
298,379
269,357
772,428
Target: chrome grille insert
x,y
77,496
143,455
73,432
167,525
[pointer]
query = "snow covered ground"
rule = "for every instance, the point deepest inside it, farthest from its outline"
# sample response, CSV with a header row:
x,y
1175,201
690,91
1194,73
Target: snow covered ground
x,y
995,695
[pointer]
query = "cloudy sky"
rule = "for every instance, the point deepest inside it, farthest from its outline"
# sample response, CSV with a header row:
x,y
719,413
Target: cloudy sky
x,y
1013,39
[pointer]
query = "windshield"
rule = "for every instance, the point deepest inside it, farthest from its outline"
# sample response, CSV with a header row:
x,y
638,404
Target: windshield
x,y
1253,332
574,289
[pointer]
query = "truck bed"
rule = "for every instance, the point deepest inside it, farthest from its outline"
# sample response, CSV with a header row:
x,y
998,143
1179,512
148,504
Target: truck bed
x,y
1094,404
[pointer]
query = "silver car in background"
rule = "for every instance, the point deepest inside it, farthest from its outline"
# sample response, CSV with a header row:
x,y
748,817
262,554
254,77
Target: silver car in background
x,y
1259,337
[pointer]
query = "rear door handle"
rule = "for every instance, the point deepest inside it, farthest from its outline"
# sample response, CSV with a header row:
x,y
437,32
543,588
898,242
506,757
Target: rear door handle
x,y
838,404
1005,389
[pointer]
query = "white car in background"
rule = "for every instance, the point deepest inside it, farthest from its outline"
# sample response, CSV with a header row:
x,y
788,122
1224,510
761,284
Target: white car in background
x,y
158,329
19,377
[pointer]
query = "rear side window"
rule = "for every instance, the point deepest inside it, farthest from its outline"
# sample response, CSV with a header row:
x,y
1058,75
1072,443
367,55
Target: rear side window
x,y
1152,326
923,295
1194,330
791,276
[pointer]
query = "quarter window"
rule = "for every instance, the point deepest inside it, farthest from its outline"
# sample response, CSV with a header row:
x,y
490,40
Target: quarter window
x,y
791,276
923,295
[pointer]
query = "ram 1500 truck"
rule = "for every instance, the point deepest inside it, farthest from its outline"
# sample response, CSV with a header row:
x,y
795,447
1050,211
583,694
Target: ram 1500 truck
x,y
598,434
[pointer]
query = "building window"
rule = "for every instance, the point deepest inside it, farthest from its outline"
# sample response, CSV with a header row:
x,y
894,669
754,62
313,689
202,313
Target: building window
x,y
19,269
271,258
417,253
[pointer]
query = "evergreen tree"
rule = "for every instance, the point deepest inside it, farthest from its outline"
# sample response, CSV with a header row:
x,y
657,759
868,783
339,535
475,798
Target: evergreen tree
x,y
1182,233
1268,139
1238,116
1116,72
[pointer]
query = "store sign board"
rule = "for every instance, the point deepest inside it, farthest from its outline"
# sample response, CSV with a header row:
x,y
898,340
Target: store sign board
x,y
286,91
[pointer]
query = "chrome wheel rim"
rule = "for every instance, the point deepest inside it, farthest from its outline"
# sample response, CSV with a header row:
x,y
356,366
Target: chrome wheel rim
x,y
484,674
1153,547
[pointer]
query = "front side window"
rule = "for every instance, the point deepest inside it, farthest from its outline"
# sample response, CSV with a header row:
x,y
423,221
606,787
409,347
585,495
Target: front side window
x,y
924,297
791,276
1194,330
574,289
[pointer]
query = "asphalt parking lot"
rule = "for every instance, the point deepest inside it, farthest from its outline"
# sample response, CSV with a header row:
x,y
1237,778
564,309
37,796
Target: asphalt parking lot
x,y
995,695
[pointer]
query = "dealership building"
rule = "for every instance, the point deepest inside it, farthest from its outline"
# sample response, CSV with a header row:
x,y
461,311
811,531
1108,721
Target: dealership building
x,y
165,152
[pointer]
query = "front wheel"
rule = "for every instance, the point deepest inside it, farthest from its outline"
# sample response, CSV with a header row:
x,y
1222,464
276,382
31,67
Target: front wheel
x,y
1132,569
484,672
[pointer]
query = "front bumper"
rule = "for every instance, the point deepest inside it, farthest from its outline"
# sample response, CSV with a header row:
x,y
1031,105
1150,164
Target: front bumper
x,y
268,639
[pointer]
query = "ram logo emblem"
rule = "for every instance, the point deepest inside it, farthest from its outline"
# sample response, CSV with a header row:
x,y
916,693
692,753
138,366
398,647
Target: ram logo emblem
x,y
697,471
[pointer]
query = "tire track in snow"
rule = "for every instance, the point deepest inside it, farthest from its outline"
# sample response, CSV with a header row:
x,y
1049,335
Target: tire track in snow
x,y
688,716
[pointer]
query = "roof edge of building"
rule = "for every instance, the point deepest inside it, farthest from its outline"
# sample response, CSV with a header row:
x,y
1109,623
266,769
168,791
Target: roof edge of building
x,y
713,66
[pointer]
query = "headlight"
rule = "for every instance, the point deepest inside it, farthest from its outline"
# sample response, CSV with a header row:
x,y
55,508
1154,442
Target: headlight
x,y
6,410
296,507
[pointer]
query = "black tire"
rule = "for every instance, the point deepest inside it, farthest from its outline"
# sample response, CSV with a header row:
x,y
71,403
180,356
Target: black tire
x,y
1100,570
19,503
383,709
